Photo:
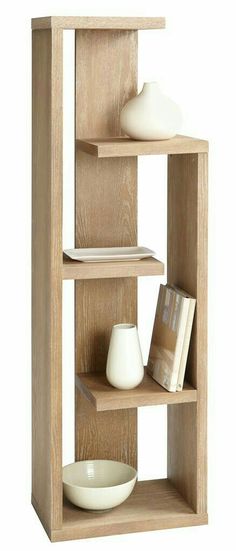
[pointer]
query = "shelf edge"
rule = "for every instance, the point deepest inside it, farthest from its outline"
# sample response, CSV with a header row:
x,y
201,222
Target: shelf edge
x,y
188,395
99,23
166,523
111,270
131,148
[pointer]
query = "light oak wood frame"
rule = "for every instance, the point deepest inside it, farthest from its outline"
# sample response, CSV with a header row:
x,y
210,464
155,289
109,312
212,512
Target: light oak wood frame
x,y
181,499
47,277
187,268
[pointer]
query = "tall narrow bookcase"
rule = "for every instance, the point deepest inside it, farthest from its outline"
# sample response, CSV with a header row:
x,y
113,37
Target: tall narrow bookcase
x,y
106,293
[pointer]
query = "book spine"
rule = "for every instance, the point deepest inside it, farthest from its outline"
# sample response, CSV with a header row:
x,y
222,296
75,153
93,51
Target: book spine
x,y
186,344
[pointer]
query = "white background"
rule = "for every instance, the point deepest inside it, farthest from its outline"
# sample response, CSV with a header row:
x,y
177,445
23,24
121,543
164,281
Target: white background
x,y
194,60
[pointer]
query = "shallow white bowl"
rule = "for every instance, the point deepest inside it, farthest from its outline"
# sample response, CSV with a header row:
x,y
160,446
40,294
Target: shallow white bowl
x,y
99,484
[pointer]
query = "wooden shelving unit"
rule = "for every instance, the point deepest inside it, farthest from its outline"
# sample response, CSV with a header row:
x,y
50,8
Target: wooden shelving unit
x,y
106,215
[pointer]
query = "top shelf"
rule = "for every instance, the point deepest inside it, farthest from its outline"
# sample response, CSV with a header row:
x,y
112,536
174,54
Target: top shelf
x,y
125,147
118,23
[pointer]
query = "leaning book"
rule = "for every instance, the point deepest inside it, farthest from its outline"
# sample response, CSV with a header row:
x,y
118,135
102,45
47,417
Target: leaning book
x,y
171,337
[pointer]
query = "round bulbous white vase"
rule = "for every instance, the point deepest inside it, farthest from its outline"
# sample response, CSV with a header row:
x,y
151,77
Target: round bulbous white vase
x,y
151,115
124,368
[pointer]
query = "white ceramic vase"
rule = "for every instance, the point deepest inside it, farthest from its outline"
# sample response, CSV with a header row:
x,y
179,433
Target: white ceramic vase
x,y
151,115
124,361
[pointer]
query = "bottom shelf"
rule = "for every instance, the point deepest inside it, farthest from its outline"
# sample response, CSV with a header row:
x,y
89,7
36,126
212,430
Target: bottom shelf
x,y
153,505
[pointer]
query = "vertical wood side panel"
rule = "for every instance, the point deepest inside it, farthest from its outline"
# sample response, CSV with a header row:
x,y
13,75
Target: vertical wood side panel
x,y
106,215
187,267
47,276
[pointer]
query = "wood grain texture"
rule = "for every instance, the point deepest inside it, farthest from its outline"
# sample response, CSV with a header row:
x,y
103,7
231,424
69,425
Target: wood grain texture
x,y
126,147
106,215
106,434
153,505
187,268
41,515
107,201
47,276
102,270
102,303
106,78
103,396
119,23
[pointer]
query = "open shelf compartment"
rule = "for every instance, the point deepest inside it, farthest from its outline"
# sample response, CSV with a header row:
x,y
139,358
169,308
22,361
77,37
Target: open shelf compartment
x,y
104,397
153,505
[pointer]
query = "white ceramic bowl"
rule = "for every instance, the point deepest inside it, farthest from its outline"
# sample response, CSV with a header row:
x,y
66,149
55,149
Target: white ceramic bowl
x,y
99,484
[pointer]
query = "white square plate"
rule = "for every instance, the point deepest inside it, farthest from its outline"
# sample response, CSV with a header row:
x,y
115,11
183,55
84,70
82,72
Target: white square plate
x,y
109,254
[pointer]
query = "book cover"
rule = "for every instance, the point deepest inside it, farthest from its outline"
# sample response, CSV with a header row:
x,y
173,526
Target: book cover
x,y
170,337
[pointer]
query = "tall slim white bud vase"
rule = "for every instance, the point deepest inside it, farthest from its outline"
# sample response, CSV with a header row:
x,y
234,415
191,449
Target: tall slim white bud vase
x,y
124,361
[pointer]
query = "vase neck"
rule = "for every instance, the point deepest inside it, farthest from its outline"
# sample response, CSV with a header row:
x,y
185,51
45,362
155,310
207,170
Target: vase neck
x,y
150,88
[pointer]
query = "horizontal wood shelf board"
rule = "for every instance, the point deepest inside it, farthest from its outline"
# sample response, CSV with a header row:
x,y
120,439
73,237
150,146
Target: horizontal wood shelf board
x,y
99,270
119,23
126,147
105,397
153,505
